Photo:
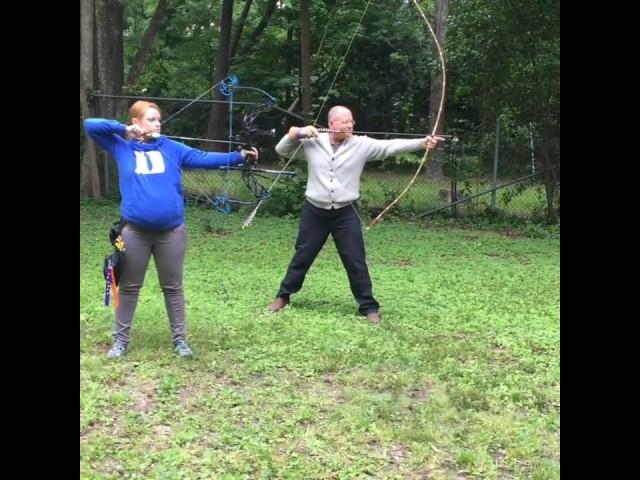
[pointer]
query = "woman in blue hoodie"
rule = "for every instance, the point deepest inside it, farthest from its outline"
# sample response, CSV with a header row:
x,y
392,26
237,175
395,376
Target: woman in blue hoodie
x,y
152,210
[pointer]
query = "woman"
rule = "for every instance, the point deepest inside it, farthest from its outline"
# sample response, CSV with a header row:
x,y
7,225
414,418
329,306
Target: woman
x,y
152,210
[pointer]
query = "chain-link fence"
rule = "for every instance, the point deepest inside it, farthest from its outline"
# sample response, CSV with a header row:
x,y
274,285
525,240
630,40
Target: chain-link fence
x,y
462,189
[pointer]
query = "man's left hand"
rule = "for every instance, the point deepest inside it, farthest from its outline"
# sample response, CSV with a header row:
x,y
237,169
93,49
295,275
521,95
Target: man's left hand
x,y
431,141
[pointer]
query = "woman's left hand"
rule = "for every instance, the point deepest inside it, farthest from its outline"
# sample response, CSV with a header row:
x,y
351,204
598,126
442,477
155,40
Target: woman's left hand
x,y
252,153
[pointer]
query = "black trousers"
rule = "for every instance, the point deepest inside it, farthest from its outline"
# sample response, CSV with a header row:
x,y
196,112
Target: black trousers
x,y
344,226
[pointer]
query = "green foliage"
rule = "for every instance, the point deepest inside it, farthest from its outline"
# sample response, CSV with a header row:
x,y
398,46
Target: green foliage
x,y
510,193
402,161
287,198
502,59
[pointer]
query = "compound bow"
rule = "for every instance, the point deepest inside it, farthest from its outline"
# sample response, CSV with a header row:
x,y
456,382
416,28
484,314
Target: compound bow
x,y
247,138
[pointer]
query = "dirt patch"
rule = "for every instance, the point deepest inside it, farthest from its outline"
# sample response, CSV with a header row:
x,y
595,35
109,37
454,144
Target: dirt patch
x,y
87,432
187,393
405,263
511,233
110,466
419,394
160,439
143,394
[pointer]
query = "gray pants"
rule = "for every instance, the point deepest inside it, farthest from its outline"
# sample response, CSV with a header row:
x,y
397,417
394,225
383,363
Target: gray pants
x,y
168,250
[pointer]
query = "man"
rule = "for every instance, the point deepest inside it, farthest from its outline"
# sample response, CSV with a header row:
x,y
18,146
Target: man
x,y
336,160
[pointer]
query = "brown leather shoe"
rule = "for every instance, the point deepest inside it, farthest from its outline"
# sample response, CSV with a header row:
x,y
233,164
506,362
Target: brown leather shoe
x,y
373,318
278,304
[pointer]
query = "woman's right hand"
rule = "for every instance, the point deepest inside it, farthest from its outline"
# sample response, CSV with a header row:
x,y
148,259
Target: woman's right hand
x,y
135,132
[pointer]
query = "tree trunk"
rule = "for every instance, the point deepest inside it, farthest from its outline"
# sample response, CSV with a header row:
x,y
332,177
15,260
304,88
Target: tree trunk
x,y
109,19
434,168
89,173
293,104
146,43
264,22
305,60
240,27
109,73
218,116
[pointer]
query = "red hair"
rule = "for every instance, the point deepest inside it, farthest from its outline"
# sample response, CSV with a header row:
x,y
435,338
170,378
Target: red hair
x,y
139,108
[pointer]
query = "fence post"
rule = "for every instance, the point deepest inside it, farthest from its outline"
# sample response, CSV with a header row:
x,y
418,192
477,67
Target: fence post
x,y
494,180
533,155
454,176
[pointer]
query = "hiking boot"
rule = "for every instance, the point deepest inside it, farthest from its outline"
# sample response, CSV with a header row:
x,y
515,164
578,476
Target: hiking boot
x,y
118,350
183,349
278,304
373,318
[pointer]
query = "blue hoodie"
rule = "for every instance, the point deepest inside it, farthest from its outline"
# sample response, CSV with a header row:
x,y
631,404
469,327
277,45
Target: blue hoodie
x,y
150,174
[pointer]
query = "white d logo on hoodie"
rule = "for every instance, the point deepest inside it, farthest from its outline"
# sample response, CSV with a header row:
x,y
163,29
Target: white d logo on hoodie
x,y
149,163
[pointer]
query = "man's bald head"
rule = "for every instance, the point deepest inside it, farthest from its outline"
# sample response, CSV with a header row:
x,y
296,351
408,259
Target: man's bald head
x,y
340,123
336,111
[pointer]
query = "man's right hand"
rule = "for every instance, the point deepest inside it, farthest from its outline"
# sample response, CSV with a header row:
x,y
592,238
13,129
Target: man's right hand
x,y
297,133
